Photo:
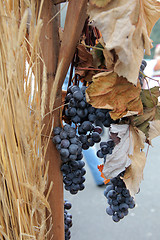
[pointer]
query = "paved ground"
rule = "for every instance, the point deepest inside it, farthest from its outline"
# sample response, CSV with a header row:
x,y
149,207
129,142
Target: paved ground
x,y
90,222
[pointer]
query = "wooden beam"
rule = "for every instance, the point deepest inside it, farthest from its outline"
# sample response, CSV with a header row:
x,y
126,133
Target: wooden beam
x,y
74,23
50,49
59,1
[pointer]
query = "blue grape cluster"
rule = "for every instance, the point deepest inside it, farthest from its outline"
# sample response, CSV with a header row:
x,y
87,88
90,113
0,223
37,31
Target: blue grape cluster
x,y
73,175
105,148
67,219
142,67
70,149
119,199
100,115
70,141
78,110
67,143
89,135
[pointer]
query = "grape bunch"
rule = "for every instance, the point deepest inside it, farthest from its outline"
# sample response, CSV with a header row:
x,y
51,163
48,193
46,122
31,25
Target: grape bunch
x,y
100,115
78,110
142,67
73,175
119,199
89,135
67,220
105,148
70,149
67,143
85,116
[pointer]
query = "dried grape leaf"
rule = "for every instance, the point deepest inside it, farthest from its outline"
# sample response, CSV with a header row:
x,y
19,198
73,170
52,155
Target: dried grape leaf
x,y
85,60
109,59
154,129
134,173
119,160
99,3
142,122
125,26
84,56
112,92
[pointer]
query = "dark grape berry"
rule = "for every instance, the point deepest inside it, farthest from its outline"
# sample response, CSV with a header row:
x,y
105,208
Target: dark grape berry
x,y
109,211
115,217
78,95
56,139
57,130
98,129
105,148
65,143
96,137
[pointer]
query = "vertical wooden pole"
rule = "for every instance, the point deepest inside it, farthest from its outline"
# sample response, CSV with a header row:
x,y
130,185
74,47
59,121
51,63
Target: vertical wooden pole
x,y
50,50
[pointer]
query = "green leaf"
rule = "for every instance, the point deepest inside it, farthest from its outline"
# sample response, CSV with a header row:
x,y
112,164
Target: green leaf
x,y
149,97
157,114
98,54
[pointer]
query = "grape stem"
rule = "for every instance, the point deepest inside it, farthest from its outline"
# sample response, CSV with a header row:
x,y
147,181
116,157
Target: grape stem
x,y
93,69
97,48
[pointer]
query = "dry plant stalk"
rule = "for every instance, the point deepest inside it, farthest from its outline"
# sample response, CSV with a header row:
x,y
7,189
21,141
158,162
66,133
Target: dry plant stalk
x,y
23,174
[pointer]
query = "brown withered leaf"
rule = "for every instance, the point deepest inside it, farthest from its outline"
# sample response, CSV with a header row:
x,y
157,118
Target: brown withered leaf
x,y
85,61
154,129
134,173
130,24
119,160
143,121
85,57
109,59
109,91
100,3
151,110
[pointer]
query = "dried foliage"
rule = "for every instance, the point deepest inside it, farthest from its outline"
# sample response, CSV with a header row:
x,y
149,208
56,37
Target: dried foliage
x,y
99,3
119,160
134,173
108,90
23,174
151,110
126,26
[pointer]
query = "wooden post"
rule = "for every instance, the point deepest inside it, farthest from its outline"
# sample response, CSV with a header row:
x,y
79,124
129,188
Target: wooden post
x,y
50,49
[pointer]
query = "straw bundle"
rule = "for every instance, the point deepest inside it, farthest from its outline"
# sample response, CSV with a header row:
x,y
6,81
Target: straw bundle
x,y
23,174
